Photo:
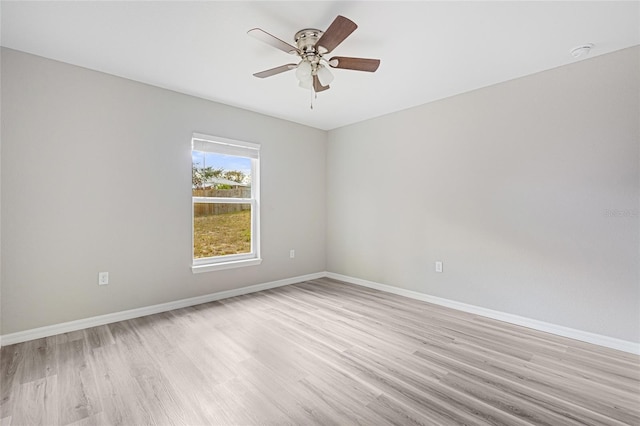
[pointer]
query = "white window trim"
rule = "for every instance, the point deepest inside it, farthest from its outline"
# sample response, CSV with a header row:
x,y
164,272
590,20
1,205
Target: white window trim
x,y
238,148
197,269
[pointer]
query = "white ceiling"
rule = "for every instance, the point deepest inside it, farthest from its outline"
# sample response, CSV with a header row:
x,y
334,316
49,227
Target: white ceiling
x,y
429,50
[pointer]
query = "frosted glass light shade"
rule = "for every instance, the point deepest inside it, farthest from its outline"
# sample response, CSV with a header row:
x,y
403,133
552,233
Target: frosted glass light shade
x,y
325,76
306,82
303,71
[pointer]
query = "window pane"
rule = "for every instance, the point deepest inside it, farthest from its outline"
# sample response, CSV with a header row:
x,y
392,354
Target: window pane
x,y
221,229
226,216
220,175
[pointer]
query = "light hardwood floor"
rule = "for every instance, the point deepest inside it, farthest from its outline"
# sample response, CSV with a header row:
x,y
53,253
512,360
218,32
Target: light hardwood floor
x,y
319,352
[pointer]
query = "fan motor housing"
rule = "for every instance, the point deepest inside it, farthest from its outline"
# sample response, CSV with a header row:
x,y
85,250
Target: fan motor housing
x,y
306,41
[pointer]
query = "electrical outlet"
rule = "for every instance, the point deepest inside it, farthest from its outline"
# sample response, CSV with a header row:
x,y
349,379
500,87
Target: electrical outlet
x,y
292,254
438,266
103,278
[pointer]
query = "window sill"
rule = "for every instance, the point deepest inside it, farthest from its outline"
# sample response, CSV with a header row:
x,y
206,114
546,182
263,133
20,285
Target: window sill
x,y
197,269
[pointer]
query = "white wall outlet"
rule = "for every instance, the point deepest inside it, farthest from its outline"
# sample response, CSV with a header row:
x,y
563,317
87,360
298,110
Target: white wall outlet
x,y
103,278
438,266
292,254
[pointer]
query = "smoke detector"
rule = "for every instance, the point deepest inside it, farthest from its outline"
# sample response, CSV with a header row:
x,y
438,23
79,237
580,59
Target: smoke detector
x,y
580,51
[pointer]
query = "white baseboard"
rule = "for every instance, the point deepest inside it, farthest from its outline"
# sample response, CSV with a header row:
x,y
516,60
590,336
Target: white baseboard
x,y
584,336
51,330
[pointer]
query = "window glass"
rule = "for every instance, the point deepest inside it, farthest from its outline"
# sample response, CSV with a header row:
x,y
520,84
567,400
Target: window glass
x,y
225,201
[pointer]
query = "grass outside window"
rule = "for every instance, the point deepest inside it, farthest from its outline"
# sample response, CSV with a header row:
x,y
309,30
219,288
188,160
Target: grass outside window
x,y
222,234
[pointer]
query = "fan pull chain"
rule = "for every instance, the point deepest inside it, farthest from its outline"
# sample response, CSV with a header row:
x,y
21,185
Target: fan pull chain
x,y
312,93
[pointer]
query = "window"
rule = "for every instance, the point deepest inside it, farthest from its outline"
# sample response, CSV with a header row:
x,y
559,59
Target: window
x,y
226,203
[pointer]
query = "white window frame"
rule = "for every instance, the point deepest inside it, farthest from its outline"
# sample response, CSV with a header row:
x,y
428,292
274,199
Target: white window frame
x,y
218,145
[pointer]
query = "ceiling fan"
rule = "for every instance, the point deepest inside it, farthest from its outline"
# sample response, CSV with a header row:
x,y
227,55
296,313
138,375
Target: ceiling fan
x,y
311,45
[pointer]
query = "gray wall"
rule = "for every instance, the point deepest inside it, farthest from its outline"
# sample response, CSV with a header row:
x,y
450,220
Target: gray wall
x,y
528,191
96,177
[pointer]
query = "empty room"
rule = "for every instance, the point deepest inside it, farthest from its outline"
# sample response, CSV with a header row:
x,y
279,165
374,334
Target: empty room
x,y
399,213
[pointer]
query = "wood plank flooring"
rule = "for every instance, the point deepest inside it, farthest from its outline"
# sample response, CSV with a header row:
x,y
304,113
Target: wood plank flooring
x,y
318,352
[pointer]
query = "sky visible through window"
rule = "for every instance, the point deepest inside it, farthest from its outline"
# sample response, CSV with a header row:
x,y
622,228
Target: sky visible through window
x,y
219,161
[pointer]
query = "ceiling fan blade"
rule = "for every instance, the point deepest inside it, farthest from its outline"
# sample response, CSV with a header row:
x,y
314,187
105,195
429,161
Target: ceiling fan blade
x,y
339,30
272,40
274,71
317,86
358,64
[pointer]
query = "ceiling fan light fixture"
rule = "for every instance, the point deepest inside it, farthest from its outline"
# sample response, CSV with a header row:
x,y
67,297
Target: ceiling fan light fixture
x,y
324,75
306,83
304,70
312,72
